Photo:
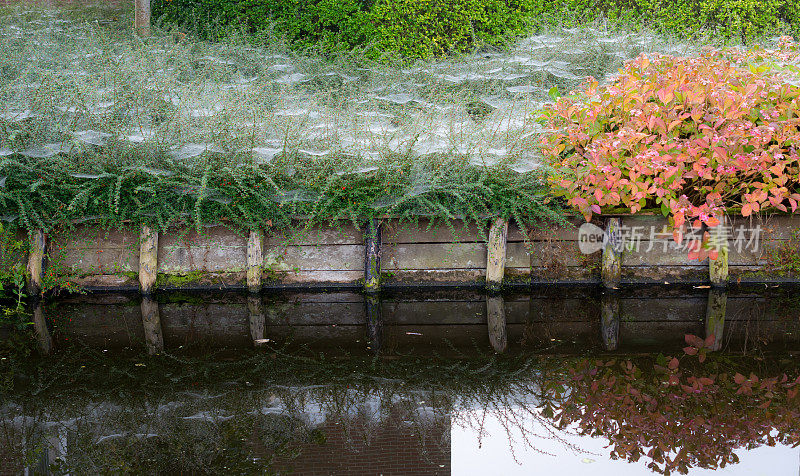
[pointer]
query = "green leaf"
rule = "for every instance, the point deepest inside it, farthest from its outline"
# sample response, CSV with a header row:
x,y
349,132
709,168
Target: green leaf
x,y
553,93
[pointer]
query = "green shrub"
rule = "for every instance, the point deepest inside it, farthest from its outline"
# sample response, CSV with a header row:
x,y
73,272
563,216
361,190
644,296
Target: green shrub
x,y
12,267
413,28
741,20
423,28
330,24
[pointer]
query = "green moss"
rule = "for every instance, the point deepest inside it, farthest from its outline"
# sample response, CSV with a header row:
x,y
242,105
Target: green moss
x,y
270,275
786,257
179,280
514,278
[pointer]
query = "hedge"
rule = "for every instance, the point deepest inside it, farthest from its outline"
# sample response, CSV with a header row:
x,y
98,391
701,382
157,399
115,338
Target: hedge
x,y
422,28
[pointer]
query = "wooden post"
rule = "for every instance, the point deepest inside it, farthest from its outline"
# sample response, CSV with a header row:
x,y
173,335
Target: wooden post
x,y
496,254
43,338
148,259
496,323
718,268
151,321
255,261
372,256
612,253
715,316
142,17
609,320
255,311
372,303
36,262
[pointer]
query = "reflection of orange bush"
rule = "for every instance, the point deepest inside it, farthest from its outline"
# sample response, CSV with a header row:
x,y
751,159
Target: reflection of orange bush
x,y
677,412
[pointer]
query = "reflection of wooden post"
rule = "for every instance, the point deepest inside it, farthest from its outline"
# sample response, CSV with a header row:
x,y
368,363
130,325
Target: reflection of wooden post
x,y
715,316
718,268
148,259
374,322
43,338
609,320
255,261
255,312
142,17
496,322
612,253
496,254
151,321
36,262
372,256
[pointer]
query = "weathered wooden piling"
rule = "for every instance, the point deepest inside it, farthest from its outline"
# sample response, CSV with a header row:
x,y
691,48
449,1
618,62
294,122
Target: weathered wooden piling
x,y
496,323
148,259
718,268
36,262
715,316
255,261
255,313
611,265
142,17
496,254
151,322
609,320
372,256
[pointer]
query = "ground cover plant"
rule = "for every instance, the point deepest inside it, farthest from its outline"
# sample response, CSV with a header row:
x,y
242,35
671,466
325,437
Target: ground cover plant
x,y
98,126
693,137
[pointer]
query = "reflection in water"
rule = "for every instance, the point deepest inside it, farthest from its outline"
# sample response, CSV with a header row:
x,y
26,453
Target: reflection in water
x,y
374,324
496,320
715,317
257,319
151,322
426,393
42,333
609,320
563,321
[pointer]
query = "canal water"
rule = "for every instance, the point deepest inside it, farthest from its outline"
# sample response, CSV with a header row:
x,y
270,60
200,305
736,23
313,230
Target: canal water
x,y
551,381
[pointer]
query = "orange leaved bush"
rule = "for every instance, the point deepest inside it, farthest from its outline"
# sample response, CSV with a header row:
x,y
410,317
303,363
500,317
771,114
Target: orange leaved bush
x,y
693,136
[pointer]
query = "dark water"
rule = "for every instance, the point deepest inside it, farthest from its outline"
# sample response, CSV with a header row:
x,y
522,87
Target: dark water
x,y
559,380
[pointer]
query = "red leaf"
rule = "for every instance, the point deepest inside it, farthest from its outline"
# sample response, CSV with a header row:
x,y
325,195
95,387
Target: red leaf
x,y
709,341
693,340
690,350
673,364
739,378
